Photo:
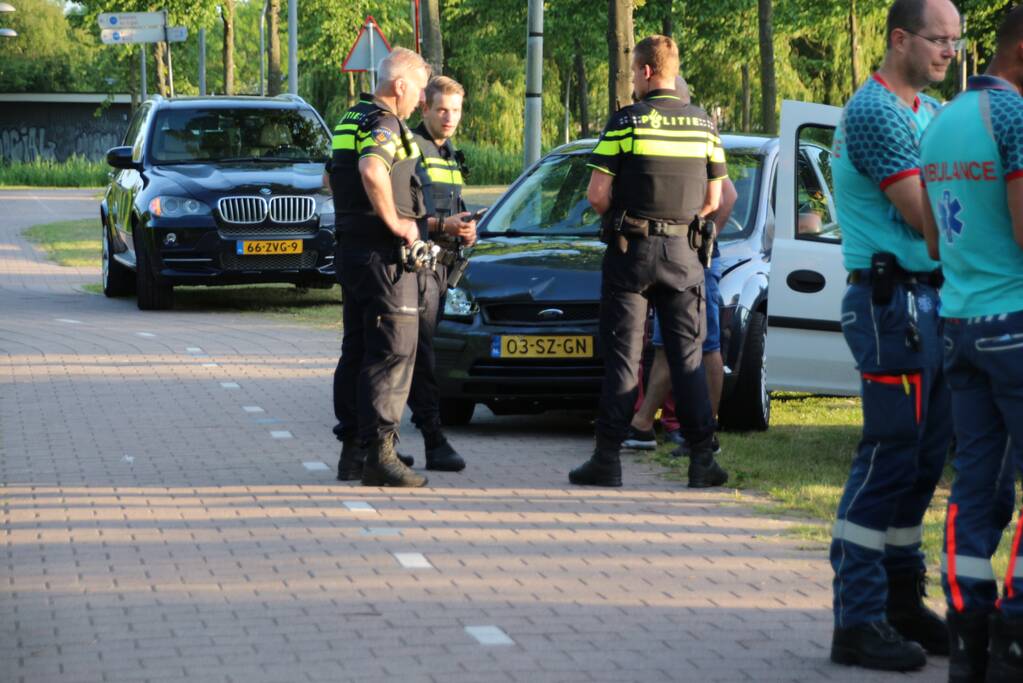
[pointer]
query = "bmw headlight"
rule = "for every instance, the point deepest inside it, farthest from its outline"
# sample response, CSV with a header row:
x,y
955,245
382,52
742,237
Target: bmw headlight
x,y
457,304
326,211
177,207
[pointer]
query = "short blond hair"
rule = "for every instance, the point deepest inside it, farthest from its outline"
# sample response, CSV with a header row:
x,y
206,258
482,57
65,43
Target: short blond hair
x,y
442,85
660,53
399,64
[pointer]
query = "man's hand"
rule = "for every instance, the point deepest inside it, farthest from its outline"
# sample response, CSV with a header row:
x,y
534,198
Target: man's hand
x,y
909,199
409,231
459,225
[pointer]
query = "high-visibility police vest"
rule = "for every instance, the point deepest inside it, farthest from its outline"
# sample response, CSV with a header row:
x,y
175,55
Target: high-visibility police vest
x,y
443,169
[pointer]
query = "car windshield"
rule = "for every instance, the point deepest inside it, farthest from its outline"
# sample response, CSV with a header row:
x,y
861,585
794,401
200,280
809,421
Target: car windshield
x,y
184,136
552,199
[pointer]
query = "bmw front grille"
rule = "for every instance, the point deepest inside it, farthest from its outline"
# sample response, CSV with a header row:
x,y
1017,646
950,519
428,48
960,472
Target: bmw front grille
x,y
292,209
245,210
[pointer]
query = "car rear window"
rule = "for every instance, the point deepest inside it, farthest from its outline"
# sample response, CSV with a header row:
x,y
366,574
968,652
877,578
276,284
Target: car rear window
x,y
249,134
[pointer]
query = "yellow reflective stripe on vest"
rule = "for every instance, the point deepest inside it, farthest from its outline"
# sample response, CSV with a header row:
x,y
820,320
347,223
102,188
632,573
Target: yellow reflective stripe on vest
x,y
696,135
670,148
343,141
439,163
444,175
969,567
717,154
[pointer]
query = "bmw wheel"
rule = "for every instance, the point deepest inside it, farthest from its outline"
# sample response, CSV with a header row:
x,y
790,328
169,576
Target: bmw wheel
x,y
117,279
153,293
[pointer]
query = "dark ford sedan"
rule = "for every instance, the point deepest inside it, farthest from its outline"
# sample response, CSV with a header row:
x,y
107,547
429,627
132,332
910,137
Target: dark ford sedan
x,y
520,332
217,191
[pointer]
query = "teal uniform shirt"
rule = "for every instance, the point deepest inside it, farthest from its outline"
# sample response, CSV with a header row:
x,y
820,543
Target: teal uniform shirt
x,y
967,156
877,144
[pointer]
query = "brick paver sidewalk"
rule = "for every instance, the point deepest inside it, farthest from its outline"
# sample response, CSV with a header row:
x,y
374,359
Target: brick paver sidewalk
x,y
169,513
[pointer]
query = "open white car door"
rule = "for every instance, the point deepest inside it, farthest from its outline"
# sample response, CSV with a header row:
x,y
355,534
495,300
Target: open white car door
x,y
805,347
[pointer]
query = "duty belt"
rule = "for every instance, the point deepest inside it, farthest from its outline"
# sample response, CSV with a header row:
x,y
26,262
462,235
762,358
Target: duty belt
x,y
657,228
932,278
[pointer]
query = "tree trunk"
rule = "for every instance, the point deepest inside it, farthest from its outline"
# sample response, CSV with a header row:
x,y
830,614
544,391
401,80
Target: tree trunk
x,y
227,16
433,46
582,99
162,80
566,74
747,99
619,47
667,27
273,29
854,47
768,84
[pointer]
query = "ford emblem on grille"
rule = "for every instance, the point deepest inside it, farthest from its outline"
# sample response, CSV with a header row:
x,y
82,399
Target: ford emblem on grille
x,y
550,314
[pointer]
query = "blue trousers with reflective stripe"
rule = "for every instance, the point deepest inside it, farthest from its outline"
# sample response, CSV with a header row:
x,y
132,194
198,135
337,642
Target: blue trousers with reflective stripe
x,y
984,367
906,434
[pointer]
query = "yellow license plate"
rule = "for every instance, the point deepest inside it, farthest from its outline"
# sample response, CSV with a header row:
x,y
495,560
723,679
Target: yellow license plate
x,y
542,347
268,247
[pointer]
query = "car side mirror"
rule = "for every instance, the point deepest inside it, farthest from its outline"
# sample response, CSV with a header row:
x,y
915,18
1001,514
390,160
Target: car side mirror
x,y
120,157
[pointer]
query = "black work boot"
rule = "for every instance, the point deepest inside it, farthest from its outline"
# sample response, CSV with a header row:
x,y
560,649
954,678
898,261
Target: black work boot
x,y
353,455
383,468
604,468
704,471
967,639
440,455
1005,661
875,645
911,617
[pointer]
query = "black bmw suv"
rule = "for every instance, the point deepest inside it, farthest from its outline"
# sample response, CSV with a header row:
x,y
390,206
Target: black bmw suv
x,y
217,191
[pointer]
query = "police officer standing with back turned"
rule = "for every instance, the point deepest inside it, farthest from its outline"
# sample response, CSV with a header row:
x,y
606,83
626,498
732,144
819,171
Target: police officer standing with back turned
x,y
971,161
450,226
657,172
372,174
890,322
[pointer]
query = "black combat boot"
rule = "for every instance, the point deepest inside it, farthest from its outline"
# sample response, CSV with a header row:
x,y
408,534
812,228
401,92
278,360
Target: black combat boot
x,y
875,645
911,617
1005,661
704,471
440,455
967,640
353,455
604,468
383,468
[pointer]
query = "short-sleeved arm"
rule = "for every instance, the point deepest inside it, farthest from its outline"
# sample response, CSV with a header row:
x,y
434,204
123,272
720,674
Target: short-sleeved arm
x,y
717,169
1007,126
615,141
381,138
881,145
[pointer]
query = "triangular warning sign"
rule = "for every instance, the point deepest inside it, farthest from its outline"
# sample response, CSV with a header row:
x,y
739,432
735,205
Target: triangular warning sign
x,y
369,48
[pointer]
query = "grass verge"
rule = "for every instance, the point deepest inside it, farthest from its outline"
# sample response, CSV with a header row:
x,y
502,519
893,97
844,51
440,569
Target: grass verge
x,y
70,243
801,464
76,171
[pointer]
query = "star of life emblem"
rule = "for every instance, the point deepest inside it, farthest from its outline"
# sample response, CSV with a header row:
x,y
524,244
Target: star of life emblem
x,y
948,217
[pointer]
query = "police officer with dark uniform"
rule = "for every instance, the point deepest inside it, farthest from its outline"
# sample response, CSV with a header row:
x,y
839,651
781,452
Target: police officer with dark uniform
x,y
450,225
657,172
376,195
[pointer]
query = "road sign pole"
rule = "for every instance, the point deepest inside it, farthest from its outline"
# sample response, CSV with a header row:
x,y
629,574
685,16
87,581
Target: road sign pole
x,y
202,62
170,62
293,47
142,64
372,63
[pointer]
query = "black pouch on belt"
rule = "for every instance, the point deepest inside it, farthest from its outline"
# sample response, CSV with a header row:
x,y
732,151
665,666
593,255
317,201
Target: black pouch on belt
x,y
611,225
883,273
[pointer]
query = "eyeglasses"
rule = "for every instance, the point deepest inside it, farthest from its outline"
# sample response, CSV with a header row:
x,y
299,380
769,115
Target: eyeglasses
x,y
954,44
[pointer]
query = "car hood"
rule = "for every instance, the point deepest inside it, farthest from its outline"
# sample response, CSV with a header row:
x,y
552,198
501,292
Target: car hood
x,y
201,180
535,269
547,269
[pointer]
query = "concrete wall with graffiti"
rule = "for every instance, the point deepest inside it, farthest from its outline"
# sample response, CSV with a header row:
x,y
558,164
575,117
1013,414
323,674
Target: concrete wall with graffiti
x,y
32,130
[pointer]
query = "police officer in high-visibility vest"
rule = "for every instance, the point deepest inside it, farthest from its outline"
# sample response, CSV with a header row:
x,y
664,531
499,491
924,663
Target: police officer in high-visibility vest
x,y
890,322
657,172
372,174
451,225
971,160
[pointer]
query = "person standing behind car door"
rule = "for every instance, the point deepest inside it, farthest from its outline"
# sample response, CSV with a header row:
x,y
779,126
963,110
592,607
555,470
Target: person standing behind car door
x,y
972,163
890,322
657,173
381,309
441,113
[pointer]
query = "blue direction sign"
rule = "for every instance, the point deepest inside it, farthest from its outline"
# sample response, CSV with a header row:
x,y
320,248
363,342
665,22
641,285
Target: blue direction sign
x,y
122,20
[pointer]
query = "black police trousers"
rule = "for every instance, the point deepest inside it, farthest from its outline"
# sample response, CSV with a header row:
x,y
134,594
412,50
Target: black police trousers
x,y
378,346
665,271
424,398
